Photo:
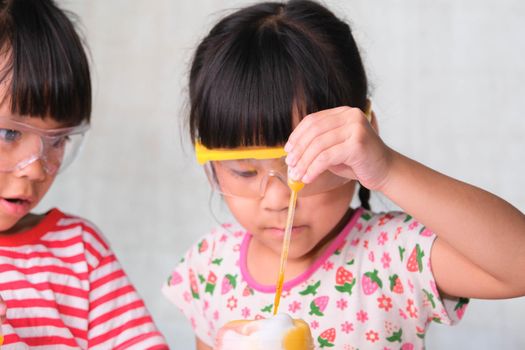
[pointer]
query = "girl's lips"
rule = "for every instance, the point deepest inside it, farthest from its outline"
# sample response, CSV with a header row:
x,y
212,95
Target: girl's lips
x,y
279,232
15,206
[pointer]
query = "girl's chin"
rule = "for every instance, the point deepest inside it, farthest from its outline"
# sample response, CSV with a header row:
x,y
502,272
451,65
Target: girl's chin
x,y
14,222
9,226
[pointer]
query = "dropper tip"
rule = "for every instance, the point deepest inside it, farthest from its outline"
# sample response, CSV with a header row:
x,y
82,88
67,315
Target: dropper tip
x,y
295,186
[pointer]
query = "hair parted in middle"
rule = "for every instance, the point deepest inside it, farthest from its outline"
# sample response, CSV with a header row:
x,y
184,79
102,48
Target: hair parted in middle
x,y
263,63
259,64
46,67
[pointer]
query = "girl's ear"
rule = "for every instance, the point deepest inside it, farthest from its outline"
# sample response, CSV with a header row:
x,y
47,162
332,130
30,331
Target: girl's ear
x,y
373,119
373,122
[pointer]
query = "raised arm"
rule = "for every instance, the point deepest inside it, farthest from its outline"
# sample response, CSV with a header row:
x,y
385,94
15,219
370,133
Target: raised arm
x,y
480,249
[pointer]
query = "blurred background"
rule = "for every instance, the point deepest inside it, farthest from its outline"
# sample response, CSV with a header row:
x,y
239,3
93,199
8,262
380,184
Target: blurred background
x,y
447,84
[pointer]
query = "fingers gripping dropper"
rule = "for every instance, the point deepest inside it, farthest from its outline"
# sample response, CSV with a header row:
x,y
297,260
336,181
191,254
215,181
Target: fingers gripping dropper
x,y
295,187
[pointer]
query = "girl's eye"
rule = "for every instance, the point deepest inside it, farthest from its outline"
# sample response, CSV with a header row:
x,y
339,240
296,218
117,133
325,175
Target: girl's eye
x,y
244,173
10,135
240,168
60,141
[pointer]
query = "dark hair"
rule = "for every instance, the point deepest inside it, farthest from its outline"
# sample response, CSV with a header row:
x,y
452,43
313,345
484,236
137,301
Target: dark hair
x,y
261,63
46,68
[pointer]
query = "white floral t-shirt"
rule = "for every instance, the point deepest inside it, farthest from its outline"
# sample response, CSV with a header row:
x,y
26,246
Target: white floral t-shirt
x,y
372,289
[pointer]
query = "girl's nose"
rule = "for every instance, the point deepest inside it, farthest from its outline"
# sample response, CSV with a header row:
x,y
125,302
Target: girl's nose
x,y
277,194
34,170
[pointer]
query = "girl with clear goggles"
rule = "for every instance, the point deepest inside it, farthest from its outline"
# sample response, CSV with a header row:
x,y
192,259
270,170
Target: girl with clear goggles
x,y
21,144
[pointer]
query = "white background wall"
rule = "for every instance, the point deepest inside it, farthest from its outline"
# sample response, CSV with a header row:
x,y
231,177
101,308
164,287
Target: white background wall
x,y
448,85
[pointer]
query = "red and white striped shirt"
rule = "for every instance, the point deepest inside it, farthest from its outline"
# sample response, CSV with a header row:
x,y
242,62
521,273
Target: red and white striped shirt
x,y
65,289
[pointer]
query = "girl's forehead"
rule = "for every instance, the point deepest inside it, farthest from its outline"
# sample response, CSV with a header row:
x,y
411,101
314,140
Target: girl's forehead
x,y
6,112
6,71
5,99
46,123
6,75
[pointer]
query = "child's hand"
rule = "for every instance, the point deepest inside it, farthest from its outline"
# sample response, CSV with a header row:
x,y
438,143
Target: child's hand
x,y
342,141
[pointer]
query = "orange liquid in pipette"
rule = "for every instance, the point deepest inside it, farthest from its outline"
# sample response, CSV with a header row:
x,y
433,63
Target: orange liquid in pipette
x,y
295,187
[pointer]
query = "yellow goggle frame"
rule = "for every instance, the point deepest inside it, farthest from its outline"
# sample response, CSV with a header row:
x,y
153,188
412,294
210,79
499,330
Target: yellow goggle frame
x,y
207,155
204,154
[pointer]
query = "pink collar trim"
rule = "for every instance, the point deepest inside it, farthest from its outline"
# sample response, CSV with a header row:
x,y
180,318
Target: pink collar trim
x,y
336,243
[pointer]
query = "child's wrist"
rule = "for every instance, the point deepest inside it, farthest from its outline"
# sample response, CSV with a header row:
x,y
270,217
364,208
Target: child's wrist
x,y
392,162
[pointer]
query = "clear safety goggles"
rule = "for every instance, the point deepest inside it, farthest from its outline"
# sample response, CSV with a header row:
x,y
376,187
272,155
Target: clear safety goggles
x,y
22,144
246,172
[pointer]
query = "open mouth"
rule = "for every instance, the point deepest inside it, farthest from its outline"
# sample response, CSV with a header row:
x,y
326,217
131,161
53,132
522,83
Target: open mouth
x,y
18,201
15,200
15,205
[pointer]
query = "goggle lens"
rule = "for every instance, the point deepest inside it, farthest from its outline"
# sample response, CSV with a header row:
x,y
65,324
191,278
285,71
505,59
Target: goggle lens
x,y
249,178
22,144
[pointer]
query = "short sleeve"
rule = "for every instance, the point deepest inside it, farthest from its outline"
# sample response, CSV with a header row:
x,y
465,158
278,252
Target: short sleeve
x,y
183,289
413,246
118,317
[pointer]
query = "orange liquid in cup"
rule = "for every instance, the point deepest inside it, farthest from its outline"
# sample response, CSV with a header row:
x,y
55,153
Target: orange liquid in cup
x,y
265,334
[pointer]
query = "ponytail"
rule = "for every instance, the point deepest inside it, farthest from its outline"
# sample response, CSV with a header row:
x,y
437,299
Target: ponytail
x,y
364,197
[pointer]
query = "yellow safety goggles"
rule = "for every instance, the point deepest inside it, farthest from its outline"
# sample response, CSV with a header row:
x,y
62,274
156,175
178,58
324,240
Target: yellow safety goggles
x,y
246,172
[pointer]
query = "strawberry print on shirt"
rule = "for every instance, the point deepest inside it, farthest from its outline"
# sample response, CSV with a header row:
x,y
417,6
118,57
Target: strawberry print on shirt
x,y
372,288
